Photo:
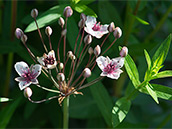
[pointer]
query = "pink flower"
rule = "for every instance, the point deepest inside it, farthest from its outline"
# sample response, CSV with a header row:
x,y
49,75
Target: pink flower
x,y
94,28
27,75
48,61
110,68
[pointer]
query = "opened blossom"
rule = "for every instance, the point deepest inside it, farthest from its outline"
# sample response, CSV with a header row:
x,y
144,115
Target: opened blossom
x,y
28,75
110,68
94,28
48,61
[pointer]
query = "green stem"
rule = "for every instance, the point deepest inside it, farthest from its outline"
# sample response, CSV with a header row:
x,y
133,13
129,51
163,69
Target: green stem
x,y
66,113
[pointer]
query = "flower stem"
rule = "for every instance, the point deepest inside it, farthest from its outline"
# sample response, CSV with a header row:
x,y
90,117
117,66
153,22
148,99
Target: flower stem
x,y
66,113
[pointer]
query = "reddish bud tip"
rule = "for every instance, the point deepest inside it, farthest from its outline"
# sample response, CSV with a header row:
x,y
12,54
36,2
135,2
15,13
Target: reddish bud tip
x,y
24,38
97,50
87,72
18,33
48,30
88,39
27,92
117,32
61,22
61,77
34,13
124,51
68,11
111,27
90,51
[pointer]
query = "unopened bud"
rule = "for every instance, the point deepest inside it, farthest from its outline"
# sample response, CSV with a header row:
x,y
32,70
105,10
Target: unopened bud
x,y
73,57
88,39
61,66
64,32
90,51
97,50
48,30
81,23
83,16
27,92
61,22
70,54
117,32
124,51
18,33
34,13
24,38
61,77
111,27
68,11
87,72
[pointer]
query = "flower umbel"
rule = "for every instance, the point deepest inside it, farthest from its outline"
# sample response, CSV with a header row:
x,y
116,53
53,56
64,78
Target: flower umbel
x,y
27,75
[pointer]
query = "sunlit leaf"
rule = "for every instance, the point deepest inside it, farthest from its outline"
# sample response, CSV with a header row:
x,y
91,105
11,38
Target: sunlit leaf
x,y
46,18
2,99
140,20
102,99
75,1
152,92
81,8
161,52
148,59
120,110
163,92
132,70
163,74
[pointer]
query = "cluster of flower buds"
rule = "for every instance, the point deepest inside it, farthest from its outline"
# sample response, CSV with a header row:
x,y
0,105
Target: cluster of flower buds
x,y
67,81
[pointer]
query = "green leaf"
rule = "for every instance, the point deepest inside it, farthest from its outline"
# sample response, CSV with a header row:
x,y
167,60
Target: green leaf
x,y
152,92
81,8
148,59
75,1
120,110
46,18
7,113
161,52
5,99
140,20
102,99
163,92
163,74
132,70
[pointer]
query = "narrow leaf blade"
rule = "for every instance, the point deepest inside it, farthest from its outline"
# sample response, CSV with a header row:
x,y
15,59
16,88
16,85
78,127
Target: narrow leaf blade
x,y
148,59
5,99
152,92
120,110
163,74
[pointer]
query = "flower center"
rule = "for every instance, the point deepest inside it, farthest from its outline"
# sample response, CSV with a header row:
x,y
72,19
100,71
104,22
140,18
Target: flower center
x,y
28,75
96,27
110,68
49,60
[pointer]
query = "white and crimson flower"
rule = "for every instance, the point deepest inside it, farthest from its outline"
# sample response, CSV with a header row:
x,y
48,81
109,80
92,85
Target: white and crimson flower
x,y
27,75
48,61
94,28
110,68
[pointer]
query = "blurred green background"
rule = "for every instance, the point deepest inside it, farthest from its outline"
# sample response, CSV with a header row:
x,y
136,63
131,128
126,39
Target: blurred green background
x,y
131,16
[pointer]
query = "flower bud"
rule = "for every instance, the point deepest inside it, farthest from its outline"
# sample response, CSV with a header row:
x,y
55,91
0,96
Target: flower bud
x,y
73,57
68,11
27,92
111,27
24,38
48,31
60,76
61,66
34,13
97,50
83,16
117,32
87,72
90,51
70,54
124,51
81,23
61,22
18,33
64,32
88,39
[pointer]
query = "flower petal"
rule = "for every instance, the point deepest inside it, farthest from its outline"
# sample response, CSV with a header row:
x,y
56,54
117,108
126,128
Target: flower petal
x,y
20,67
103,74
90,22
51,66
119,61
36,69
18,79
104,29
40,60
24,84
102,62
51,54
34,81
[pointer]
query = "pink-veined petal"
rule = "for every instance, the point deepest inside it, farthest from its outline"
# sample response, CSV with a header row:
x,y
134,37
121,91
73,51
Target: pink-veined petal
x,y
102,62
20,67
24,84
36,69
119,61
40,60
51,54
90,22
104,29
103,74
34,81
18,79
